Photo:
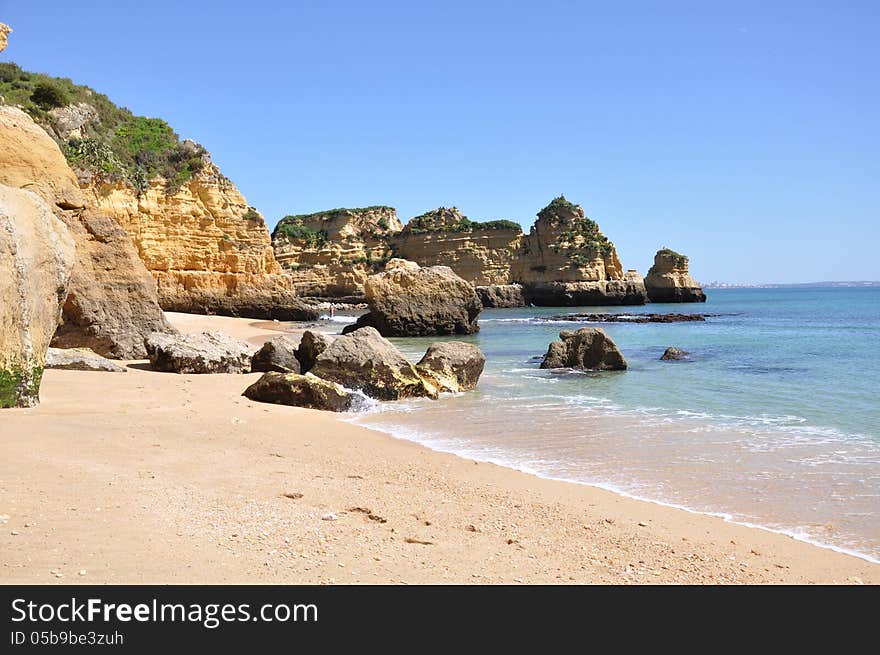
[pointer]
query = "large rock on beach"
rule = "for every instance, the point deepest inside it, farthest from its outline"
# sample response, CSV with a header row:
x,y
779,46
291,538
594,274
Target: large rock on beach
x,y
37,256
408,300
669,279
278,354
586,348
365,360
81,359
303,391
452,366
205,352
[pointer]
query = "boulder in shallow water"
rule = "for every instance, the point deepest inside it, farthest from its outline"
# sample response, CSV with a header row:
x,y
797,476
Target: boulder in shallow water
x,y
311,345
205,352
80,359
303,391
587,348
277,354
367,361
452,366
674,354
501,295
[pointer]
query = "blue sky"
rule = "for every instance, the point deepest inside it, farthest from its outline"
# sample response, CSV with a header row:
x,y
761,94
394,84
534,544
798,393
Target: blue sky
x,y
744,134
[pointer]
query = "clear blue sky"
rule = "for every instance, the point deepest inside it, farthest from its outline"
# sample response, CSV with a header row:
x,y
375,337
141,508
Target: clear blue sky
x,y
744,134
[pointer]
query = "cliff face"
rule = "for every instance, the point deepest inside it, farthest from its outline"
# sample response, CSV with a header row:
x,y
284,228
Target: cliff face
x,y
443,237
331,253
111,305
207,249
564,260
669,279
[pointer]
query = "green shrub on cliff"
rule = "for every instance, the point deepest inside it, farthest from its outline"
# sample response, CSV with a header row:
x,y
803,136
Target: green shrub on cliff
x,y
293,229
117,144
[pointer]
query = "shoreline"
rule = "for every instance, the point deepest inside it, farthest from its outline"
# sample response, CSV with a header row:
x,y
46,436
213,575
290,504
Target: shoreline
x,y
194,477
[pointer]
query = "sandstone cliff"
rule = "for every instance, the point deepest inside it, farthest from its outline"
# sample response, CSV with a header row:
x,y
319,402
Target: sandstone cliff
x,y
481,253
111,305
670,281
331,253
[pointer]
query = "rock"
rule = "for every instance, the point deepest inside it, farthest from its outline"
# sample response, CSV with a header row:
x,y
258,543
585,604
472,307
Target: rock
x,y
112,302
80,359
410,301
72,121
311,345
37,257
278,354
4,30
452,366
630,318
629,290
302,391
670,281
206,352
367,361
364,320
674,354
501,295
586,348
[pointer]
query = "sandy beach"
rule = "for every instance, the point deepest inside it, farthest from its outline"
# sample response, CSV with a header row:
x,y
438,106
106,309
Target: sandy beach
x,y
149,477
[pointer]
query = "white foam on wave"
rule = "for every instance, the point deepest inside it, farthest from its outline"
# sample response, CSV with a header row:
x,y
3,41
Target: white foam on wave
x,y
338,318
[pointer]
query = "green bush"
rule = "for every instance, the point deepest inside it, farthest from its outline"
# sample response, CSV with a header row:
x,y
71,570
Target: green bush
x,y
47,95
296,231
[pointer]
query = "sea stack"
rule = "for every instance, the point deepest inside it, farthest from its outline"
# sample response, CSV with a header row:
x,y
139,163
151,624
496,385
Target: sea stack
x,y
669,279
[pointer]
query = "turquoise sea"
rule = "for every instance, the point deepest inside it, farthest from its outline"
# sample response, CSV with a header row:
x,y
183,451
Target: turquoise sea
x,y
774,421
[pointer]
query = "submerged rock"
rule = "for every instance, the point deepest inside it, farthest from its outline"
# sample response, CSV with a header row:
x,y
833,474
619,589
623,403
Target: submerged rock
x,y
670,281
206,352
408,300
501,295
302,391
366,360
452,366
674,354
277,354
36,263
80,359
586,348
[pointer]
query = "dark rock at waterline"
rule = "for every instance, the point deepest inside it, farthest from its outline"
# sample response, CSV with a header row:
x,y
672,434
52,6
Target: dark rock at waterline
x,y
586,348
673,354
311,345
628,291
364,320
278,354
631,318
302,391
498,296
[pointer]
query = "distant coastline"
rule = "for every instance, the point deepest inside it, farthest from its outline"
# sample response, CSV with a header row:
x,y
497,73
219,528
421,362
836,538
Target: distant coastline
x,y
792,285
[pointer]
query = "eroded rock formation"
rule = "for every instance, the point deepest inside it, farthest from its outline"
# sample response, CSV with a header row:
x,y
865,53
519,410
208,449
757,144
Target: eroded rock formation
x,y
37,258
670,281
205,352
586,348
112,302
452,366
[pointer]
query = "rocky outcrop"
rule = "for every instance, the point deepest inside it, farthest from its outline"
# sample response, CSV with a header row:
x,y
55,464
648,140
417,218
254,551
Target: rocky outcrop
x,y
367,361
672,354
112,302
408,300
670,281
586,348
311,345
80,359
208,250
279,354
480,253
4,31
452,366
36,263
206,352
499,296
329,254
302,391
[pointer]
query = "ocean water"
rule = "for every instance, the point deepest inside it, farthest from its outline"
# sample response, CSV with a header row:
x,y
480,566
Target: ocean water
x,y
774,421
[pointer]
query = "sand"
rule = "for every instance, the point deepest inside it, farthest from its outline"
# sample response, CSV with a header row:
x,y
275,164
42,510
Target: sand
x,y
149,477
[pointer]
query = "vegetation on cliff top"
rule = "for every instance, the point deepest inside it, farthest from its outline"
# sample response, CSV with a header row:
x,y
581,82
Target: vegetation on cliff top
x,y
580,238
436,221
677,258
115,143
